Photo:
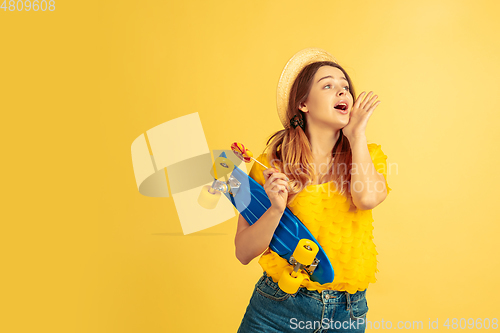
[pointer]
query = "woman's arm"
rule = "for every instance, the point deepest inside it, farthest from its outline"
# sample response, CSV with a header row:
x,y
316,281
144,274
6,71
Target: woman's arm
x,y
252,240
368,188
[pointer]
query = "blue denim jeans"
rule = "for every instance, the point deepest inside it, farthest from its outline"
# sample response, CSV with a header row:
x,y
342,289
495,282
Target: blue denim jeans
x,y
273,310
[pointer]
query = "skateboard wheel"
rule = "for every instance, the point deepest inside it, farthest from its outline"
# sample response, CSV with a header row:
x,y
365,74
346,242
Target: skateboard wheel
x,y
306,251
222,167
207,199
288,283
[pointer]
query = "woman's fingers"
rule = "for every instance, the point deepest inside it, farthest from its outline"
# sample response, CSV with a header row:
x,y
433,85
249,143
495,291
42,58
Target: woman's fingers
x,y
279,188
374,106
368,102
373,103
276,181
273,174
365,101
280,181
267,173
283,184
358,100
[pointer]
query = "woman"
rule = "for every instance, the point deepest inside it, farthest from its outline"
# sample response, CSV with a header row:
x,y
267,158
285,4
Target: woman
x,y
322,168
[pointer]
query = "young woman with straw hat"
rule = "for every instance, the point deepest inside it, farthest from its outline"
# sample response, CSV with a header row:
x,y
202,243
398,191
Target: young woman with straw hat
x,y
321,167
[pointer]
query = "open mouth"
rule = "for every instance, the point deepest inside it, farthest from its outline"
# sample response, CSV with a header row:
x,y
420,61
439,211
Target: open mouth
x,y
341,106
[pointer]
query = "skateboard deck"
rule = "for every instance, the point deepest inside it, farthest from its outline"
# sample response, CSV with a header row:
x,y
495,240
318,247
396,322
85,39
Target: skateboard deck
x,y
252,202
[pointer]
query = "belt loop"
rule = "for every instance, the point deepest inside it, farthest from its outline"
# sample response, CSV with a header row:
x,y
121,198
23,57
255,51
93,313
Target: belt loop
x,y
348,297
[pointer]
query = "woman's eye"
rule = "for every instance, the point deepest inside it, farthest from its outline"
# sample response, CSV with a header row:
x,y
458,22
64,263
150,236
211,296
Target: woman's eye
x,y
330,85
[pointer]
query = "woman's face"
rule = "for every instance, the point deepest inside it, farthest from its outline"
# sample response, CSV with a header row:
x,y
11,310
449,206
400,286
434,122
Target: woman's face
x,y
329,87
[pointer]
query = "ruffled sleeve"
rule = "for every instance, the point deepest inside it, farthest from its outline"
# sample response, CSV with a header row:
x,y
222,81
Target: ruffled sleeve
x,y
379,160
257,169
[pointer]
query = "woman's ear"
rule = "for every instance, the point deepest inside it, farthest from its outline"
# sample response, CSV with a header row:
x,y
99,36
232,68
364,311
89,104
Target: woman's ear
x,y
303,108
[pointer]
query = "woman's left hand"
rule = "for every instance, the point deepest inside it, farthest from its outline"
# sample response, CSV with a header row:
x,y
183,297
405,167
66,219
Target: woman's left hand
x,y
360,113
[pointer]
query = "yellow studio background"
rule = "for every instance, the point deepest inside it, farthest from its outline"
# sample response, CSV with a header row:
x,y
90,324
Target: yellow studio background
x,y
84,251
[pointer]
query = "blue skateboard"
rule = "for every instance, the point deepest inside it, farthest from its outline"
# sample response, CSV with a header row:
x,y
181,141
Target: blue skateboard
x,y
291,239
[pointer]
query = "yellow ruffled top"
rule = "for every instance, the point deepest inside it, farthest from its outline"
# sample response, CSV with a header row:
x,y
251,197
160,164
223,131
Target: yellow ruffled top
x,y
344,232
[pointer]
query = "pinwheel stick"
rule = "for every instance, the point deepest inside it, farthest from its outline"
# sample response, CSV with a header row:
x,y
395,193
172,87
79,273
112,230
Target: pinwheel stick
x,y
259,163
248,153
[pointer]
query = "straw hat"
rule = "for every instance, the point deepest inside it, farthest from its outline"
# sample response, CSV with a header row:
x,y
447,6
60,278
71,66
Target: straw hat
x,y
292,68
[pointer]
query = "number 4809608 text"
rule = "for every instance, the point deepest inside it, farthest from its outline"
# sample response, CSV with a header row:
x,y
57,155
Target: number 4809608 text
x,y
27,5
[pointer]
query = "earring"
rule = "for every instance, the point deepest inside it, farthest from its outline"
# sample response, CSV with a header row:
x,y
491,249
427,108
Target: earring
x,y
297,121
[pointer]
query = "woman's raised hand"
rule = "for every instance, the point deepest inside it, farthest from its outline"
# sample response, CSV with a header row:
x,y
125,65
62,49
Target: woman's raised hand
x,y
360,113
276,187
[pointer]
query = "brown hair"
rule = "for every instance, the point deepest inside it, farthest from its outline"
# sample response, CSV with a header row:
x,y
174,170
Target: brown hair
x,y
290,149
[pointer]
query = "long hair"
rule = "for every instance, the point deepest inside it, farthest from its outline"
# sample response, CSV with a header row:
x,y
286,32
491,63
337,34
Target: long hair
x,y
289,150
